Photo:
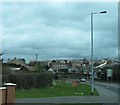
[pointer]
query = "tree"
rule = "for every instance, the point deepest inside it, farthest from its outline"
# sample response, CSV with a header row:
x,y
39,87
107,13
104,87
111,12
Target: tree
x,y
53,60
23,60
6,70
32,63
39,67
47,67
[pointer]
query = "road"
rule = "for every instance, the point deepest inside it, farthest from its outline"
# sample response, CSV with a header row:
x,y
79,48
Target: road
x,y
115,88
108,94
110,91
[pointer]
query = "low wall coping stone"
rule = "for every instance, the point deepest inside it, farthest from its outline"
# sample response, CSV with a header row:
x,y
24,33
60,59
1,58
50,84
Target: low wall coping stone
x,y
1,88
9,84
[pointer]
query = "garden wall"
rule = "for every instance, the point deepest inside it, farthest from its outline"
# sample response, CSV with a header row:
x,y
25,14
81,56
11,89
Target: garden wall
x,y
7,94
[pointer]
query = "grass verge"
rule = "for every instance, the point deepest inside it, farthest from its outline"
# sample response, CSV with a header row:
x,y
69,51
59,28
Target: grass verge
x,y
82,104
61,89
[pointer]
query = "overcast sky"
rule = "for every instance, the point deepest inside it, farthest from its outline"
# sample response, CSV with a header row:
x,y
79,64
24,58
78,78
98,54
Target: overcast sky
x,y
58,30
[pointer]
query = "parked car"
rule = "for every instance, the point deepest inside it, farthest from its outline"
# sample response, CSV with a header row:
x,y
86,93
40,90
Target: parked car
x,y
83,80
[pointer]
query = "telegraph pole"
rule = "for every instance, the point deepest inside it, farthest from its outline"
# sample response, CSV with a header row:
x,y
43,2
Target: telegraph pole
x,y
36,57
36,61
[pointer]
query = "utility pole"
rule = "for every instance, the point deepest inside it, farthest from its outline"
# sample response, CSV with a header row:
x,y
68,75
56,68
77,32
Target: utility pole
x,y
36,57
36,61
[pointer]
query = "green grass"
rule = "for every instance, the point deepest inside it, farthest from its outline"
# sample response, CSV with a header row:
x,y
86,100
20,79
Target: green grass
x,y
62,104
61,89
82,104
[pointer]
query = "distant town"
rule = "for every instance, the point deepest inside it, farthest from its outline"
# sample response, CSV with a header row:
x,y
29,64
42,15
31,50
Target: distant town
x,y
77,68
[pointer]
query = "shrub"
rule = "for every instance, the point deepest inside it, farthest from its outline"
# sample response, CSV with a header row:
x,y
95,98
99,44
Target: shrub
x,y
31,80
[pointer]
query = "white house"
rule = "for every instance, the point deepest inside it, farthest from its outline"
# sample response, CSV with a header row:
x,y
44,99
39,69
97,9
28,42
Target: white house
x,y
51,70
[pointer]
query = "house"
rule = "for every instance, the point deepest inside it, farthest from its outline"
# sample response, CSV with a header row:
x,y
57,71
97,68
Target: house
x,y
73,70
14,69
56,66
51,70
102,65
26,69
16,61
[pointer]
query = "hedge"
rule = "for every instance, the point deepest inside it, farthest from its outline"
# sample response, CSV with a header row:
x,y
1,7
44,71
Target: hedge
x,y
30,80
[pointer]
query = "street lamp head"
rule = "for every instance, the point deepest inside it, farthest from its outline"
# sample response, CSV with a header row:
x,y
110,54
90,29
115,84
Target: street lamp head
x,y
103,12
99,12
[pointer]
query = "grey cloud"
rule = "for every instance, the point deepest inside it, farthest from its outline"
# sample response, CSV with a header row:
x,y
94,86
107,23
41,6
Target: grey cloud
x,y
59,30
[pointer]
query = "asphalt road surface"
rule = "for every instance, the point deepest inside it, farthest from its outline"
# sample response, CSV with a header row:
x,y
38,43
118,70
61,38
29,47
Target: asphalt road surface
x,y
113,87
110,86
109,91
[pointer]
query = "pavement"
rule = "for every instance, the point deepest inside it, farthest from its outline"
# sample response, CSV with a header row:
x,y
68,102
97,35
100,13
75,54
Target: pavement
x,y
106,96
69,99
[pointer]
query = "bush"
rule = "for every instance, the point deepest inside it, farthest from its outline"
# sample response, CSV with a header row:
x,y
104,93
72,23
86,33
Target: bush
x,y
30,80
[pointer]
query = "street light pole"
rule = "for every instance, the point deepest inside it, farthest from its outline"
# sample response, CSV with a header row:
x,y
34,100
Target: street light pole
x,y
92,83
92,52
